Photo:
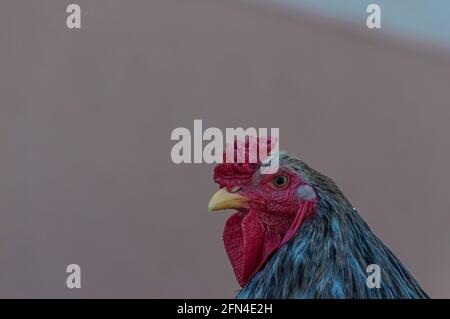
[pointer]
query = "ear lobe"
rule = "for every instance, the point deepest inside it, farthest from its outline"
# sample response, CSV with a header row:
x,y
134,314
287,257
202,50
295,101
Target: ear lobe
x,y
306,192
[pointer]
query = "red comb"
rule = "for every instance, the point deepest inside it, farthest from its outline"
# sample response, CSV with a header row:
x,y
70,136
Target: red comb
x,y
233,174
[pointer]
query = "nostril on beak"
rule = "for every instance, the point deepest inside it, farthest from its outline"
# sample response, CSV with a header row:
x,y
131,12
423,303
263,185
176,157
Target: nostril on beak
x,y
235,189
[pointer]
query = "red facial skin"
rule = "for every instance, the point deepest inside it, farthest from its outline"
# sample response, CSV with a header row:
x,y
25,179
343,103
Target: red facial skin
x,y
274,215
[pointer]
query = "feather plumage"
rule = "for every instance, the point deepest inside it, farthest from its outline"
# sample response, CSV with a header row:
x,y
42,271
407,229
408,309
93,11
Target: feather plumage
x,y
329,254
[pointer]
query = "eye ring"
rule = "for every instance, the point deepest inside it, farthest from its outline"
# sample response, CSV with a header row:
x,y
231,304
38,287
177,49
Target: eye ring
x,y
280,181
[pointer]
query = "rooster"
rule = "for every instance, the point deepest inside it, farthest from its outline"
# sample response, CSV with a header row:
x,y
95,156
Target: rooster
x,y
295,235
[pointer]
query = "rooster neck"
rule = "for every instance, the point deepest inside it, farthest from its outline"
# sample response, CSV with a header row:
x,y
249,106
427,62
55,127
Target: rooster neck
x,y
328,258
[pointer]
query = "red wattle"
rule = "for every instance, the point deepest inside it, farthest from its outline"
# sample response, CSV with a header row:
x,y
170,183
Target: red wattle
x,y
249,245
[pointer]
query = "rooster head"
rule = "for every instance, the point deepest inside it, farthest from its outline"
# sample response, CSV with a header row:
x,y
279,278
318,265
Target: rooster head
x,y
270,208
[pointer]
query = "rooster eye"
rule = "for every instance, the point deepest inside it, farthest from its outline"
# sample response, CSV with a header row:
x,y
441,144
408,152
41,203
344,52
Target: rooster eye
x,y
280,181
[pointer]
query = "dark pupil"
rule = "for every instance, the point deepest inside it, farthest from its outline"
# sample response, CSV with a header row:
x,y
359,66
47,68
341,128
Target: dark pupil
x,y
280,180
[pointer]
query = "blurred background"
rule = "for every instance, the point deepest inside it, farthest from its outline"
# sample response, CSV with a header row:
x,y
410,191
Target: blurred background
x,y
417,20
86,115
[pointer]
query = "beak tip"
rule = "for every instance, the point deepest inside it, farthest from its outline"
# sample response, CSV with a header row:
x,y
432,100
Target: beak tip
x,y
212,207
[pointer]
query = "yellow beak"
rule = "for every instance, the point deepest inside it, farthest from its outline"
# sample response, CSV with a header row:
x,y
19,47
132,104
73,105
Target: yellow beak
x,y
223,199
